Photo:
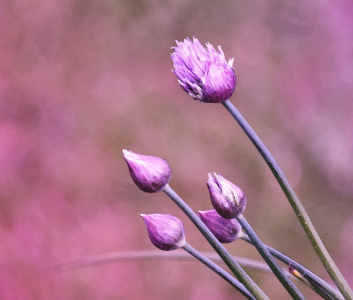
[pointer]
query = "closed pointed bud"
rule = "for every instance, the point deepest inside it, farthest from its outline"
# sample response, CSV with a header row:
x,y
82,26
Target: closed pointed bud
x,y
149,173
225,230
227,198
166,232
202,72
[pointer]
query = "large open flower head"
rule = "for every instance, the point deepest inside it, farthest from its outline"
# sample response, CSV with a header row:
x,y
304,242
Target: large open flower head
x,y
202,72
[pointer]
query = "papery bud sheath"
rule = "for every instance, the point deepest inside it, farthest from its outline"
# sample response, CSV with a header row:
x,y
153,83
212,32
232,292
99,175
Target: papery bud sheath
x,y
225,230
149,173
166,232
227,198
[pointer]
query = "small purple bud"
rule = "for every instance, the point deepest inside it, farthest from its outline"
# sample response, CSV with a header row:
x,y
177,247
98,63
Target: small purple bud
x,y
204,74
225,230
149,173
227,199
166,232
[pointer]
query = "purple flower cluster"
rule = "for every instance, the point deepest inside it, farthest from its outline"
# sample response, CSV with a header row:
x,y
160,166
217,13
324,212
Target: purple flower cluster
x,y
203,72
151,174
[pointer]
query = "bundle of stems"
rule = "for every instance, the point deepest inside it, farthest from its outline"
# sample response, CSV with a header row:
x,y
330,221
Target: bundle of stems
x,y
206,76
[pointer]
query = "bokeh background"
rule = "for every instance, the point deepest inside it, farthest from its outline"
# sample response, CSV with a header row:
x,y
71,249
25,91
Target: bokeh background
x,y
80,80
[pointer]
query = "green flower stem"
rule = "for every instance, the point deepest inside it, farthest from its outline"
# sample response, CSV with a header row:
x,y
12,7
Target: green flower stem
x,y
276,269
315,281
218,270
298,208
222,252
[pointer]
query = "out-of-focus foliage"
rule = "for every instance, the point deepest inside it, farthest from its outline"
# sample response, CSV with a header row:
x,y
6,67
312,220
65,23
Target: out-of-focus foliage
x,y
81,80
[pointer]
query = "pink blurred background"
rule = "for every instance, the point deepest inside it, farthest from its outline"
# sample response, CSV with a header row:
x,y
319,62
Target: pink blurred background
x,y
82,80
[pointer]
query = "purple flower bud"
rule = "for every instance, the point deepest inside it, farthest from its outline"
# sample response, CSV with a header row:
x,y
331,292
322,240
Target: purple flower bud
x,y
227,199
204,74
225,230
149,173
166,232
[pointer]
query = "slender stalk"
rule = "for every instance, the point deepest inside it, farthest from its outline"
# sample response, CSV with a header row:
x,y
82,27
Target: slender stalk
x,y
320,286
218,270
315,280
222,252
299,276
276,269
328,292
109,257
298,208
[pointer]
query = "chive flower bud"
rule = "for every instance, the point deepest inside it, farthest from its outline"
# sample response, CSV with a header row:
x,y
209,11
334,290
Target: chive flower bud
x,y
227,199
149,173
166,232
203,73
225,230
